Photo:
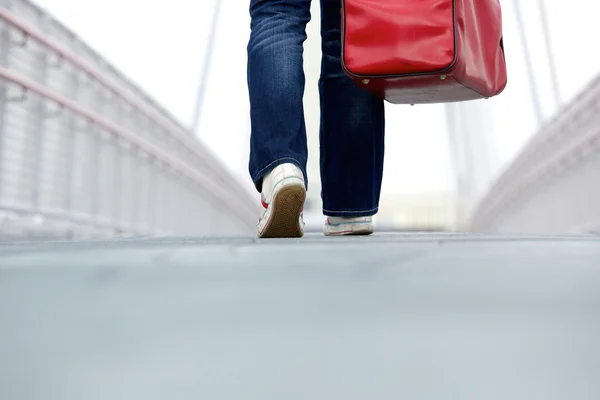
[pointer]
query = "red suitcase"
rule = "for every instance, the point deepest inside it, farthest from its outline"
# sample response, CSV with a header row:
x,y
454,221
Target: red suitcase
x,y
424,51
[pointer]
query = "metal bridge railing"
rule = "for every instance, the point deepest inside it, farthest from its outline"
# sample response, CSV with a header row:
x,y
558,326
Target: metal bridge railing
x,y
84,152
548,172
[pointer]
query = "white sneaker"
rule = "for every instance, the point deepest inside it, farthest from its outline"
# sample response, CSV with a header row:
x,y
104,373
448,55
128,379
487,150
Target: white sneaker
x,y
283,195
337,226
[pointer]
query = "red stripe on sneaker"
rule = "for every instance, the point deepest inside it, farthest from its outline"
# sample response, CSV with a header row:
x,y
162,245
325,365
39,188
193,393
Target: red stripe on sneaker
x,y
264,204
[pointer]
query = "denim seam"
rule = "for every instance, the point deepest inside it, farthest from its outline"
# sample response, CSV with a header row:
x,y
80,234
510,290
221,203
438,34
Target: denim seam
x,y
351,211
260,172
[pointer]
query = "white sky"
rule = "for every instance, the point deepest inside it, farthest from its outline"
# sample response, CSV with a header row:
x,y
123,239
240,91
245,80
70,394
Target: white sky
x,y
161,45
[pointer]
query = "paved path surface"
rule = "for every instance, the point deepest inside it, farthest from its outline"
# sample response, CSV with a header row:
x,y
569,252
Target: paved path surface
x,y
382,317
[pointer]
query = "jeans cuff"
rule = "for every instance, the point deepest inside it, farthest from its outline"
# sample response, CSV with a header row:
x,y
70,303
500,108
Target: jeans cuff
x,y
351,213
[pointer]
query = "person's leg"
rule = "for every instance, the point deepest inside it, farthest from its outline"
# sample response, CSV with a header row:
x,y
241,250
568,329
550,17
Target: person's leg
x,y
276,85
278,148
351,135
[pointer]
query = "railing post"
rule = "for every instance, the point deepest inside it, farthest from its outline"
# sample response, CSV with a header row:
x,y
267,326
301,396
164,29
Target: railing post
x,y
95,165
4,60
95,147
117,187
70,136
3,95
136,176
152,193
117,181
39,129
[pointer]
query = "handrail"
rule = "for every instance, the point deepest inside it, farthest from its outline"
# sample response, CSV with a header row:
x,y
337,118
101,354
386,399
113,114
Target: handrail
x,y
545,135
78,218
512,179
143,144
557,163
185,139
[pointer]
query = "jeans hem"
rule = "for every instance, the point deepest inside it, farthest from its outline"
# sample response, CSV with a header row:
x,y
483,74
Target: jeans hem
x,y
351,213
258,176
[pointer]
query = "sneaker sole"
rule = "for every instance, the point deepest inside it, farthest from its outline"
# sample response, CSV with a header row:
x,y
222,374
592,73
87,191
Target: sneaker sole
x,y
285,215
364,232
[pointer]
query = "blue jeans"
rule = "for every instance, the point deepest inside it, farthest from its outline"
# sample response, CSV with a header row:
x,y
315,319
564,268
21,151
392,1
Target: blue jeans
x,y
352,120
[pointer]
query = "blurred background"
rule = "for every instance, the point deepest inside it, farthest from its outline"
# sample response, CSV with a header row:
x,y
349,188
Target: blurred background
x,y
129,117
